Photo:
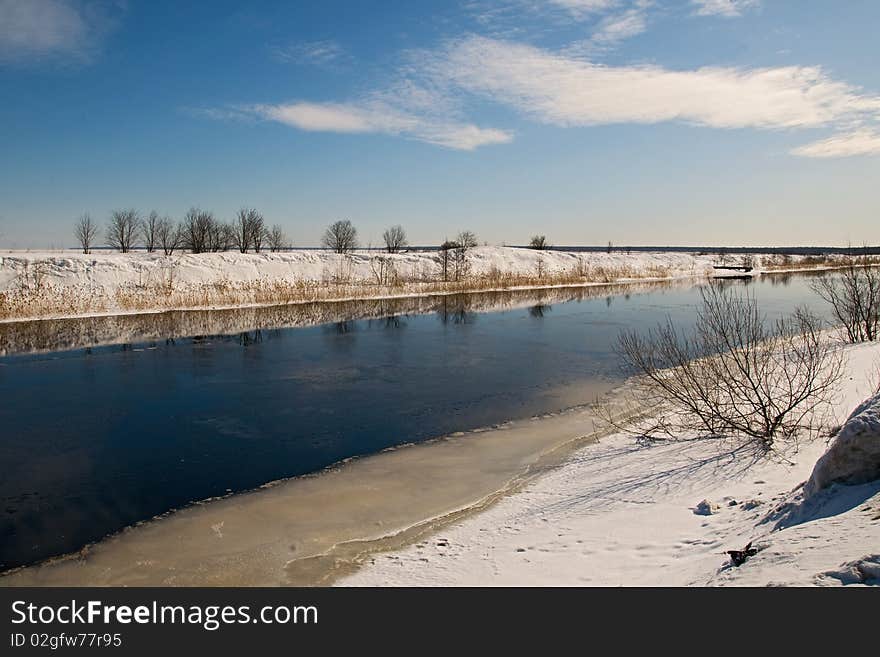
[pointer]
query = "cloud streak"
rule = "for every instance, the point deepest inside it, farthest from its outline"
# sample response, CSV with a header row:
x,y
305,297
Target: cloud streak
x,y
581,9
726,8
320,53
33,30
618,27
568,91
379,117
858,142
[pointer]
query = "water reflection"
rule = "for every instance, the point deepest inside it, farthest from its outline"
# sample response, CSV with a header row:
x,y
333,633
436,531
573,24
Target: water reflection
x,y
538,311
247,323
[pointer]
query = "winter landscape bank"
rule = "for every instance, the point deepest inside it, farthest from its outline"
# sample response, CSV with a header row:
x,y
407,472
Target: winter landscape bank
x,y
65,284
623,513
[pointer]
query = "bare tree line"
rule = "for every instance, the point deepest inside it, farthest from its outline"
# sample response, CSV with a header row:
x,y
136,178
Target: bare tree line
x,y
198,232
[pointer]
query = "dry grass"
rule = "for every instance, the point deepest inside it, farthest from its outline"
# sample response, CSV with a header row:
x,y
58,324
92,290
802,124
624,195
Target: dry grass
x,y
34,297
784,262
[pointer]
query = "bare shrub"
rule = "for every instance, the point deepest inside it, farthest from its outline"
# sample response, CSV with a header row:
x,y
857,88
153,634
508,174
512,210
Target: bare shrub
x,y
539,242
735,375
340,236
453,261
276,239
854,296
395,239
383,270
123,229
86,231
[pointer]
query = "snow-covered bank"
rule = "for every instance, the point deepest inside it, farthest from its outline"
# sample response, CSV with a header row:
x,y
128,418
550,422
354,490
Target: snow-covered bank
x,y
39,285
618,513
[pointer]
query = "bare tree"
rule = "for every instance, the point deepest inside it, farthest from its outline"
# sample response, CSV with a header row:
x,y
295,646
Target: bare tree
x,y
539,242
250,230
466,240
446,250
735,376
168,236
242,225
276,239
86,231
123,229
454,265
149,231
221,237
259,232
854,296
384,271
340,236
196,230
395,239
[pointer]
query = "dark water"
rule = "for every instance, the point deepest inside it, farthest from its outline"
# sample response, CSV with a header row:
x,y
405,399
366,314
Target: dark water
x,y
95,439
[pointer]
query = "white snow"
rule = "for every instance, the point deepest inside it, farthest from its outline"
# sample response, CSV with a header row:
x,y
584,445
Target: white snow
x,y
854,456
67,284
106,269
622,514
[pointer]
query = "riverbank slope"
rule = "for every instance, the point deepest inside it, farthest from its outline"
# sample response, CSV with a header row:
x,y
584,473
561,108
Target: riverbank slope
x,y
36,285
618,513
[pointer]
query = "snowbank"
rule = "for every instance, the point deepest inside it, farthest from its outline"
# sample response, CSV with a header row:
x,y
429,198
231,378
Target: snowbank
x,y
854,456
107,269
39,285
618,513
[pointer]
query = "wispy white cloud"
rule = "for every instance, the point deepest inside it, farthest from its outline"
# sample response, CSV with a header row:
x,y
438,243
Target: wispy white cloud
x,y
432,90
581,9
374,115
533,18
859,142
609,29
614,28
727,8
570,91
40,29
322,53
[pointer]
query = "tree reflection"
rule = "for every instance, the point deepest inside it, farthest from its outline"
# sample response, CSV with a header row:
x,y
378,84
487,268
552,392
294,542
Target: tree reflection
x,y
538,311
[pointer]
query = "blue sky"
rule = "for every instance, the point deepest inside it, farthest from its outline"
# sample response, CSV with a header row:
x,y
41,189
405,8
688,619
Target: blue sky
x,y
636,121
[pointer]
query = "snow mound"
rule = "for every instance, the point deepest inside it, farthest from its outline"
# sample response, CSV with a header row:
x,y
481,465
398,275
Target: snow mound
x,y
861,571
854,456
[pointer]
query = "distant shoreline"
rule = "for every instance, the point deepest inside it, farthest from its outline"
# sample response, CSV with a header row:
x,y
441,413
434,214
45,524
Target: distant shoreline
x,y
37,286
